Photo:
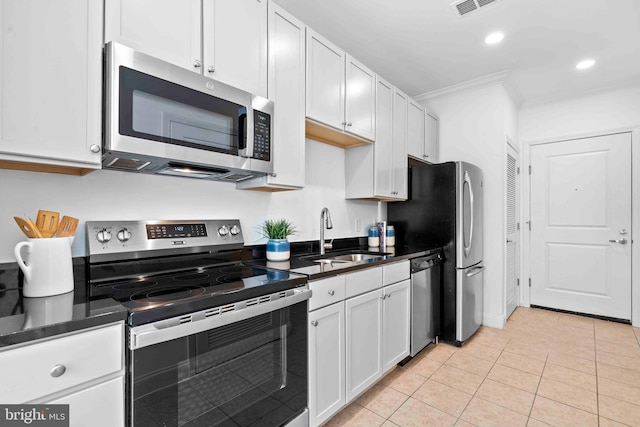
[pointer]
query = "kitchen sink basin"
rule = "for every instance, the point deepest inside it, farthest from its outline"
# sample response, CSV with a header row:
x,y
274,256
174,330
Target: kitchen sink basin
x,y
350,258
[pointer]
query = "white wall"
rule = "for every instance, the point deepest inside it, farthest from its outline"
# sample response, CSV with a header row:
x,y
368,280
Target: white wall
x,y
473,129
601,111
112,195
589,115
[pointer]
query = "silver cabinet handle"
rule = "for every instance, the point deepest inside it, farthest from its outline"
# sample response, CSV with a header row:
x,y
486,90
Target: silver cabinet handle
x,y
509,241
314,323
622,241
211,69
623,231
331,292
94,148
58,371
344,123
197,63
349,124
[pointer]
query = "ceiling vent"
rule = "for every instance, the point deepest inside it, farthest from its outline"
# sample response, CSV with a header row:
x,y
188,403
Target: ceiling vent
x,y
464,7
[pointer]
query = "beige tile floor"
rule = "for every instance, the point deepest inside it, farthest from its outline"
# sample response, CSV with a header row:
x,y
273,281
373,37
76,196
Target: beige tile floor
x,y
545,368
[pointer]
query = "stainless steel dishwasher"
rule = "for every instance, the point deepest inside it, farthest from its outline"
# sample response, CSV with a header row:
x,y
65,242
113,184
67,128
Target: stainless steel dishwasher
x,y
425,300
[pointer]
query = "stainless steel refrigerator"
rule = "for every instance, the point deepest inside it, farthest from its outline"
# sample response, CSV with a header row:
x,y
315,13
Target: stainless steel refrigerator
x,y
445,208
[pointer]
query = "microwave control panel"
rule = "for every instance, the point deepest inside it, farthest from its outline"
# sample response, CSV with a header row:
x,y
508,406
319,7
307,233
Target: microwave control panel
x,y
261,135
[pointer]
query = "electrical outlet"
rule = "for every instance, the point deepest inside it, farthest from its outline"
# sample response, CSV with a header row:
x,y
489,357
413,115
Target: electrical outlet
x,y
358,226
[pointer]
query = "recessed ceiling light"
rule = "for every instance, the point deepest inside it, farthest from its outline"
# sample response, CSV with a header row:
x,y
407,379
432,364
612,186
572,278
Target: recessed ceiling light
x,y
494,38
587,63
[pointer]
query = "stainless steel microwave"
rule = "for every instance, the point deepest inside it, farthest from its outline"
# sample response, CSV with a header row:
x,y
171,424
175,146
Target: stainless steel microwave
x,y
164,119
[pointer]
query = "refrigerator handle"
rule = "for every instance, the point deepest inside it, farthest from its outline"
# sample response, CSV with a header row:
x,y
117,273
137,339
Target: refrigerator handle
x,y
467,249
474,271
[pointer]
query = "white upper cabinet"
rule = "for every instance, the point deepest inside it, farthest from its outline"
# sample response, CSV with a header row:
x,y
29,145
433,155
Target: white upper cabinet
x,y
383,147
340,90
223,39
51,85
235,43
415,130
287,90
174,34
422,134
399,163
379,171
325,81
360,100
430,138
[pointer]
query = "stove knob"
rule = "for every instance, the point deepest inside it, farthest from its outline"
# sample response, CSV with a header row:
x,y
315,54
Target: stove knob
x,y
223,231
103,236
235,230
123,235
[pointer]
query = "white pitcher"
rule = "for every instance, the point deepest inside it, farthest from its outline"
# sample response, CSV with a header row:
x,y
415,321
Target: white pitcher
x,y
48,268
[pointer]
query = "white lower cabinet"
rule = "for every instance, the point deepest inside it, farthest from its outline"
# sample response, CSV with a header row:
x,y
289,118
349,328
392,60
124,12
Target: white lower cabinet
x,y
326,362
364,340
83,369
84,409
358,329
396,312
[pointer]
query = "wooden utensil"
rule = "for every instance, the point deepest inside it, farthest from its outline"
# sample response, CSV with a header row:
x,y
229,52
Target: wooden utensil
x,y
47,222
28,227
67,226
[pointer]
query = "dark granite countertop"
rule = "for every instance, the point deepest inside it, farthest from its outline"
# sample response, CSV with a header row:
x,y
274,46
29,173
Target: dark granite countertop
x,y
24,319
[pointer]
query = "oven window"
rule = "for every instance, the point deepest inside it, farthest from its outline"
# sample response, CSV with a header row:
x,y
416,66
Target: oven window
x,y
155,109
253,372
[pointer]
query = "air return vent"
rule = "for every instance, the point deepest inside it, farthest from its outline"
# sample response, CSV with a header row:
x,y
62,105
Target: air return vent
x,y
465,7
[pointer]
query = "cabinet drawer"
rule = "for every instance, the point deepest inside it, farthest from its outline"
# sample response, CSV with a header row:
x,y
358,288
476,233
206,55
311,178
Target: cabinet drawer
x,y
82,405
363,281
396,272
326,291
26,371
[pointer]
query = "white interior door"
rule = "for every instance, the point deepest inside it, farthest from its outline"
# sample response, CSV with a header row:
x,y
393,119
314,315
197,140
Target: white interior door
x,y
513,229
581,225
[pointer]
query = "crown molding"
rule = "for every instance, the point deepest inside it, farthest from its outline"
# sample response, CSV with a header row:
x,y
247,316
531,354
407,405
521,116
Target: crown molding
x,y
501,77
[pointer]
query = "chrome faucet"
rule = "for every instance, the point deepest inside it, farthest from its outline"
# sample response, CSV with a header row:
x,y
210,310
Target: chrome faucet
x,y
325,219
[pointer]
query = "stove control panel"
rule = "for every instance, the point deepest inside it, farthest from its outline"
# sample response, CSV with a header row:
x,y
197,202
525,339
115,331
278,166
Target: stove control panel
x,y
111,240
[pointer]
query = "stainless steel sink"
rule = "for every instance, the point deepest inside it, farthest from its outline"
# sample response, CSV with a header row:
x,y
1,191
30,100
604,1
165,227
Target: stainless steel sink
x,y
350,258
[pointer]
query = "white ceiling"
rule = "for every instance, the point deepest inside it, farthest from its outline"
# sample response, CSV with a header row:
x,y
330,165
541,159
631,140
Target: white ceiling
x,y
422,45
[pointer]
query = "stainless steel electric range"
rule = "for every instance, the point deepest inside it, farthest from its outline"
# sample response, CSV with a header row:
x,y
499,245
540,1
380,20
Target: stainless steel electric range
x,y
211,340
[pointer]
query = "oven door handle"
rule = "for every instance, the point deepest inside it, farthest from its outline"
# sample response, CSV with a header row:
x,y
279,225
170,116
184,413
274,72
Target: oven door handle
x,y
167,330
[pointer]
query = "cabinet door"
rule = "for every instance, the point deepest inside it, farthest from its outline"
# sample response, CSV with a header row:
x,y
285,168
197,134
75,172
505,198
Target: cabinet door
x,y
431,138
167,29
360,100
325,81
395,324
383,147
287,90
51,82
399,168
415,130
83,409
364,341
235,43
326,363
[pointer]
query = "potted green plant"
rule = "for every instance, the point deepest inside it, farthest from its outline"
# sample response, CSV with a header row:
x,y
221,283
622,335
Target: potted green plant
x,y
277,231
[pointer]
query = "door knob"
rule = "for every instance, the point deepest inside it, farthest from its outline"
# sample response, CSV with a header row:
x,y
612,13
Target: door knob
x,y
622,241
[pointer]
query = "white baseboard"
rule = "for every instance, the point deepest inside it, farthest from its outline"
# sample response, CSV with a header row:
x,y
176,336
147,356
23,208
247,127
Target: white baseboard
x,y
494,321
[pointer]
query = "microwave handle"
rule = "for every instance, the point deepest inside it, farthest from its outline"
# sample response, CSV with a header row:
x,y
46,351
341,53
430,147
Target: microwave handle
x,y
245,133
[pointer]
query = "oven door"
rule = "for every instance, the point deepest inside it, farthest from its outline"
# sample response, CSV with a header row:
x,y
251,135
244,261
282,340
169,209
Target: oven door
x,y
248,369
